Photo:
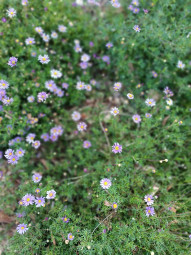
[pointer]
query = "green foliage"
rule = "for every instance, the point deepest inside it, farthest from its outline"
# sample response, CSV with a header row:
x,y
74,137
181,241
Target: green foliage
x,y
156,154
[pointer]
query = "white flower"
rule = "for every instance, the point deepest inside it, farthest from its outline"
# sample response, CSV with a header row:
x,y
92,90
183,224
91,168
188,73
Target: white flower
x,y
130,96
180,64
11,12
150,102
54,34
169,101
55,73
51,194
62,28
114,111
76,116
85,57
44,59
80,85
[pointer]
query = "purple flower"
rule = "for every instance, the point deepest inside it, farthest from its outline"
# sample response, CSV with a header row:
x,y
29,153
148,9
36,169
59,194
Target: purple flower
x,y
84,65
30,138
150,102
117,148
91,44
114,111
53,138
36,144
117,86
87,144
149,199
109,45
45,37
7,101
22,228
85,58
36,177
62,28
82,126
148,115
150,211
136,118
11,12
70,237
80,85
114,205
30,99
4,84
51,194
65,219
154,74
137,28
42,96
145,11
40,201
136,10
37,190
65,85
28,199
76,116
9,153
13,160
106,59
24,2
12,61
20,152
45,137
30,41
20,215
77,48
50,85
44,59
4,20
105,183
130,7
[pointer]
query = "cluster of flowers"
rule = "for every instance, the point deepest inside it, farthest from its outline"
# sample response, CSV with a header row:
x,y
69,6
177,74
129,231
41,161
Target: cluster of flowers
x,y
149,210
3,97
41,97
82,86
85,58
15,140
55,132
13,157
51,86
106,183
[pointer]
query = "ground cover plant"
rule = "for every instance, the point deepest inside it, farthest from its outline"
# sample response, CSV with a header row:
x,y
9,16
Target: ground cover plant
x,y
95,127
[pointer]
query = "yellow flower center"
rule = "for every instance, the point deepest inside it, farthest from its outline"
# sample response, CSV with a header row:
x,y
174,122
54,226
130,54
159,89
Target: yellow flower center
x,y
22,227
50,194
114,206
28,199
105,183
39,201
116,147
149,211
148,199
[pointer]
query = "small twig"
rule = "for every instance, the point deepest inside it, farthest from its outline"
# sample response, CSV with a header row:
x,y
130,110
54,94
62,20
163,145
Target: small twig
x,y
101,222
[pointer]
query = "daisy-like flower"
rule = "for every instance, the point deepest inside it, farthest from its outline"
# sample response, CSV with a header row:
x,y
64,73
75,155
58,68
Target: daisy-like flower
x,y
65,85
12,61
106,59
51,194
30,138
180,64
85,58
54,35
45,37
37,190
180,122
44,59
115,4
136,118
20,152
60,130
82,126
136,10
70,237
93,82
130,96
150,211
117,148
135,2
148,115
54,131
30,99
55,74
84,65
168,92
2,93
11,12
9,153
30,41
53,138
150,102
65,219
50,85
114,111
130,7
24,2
169,101
28,199
117,86
22,228
39,30
80,85
145,11
45,137
88,87
21,203
13,160
36,177
7,100
87,144
42,96
59,93
114,206
137,28
4,84
62,28
149,199
76,116
77,48
36,144
154,74
105,183
40,201
109,45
